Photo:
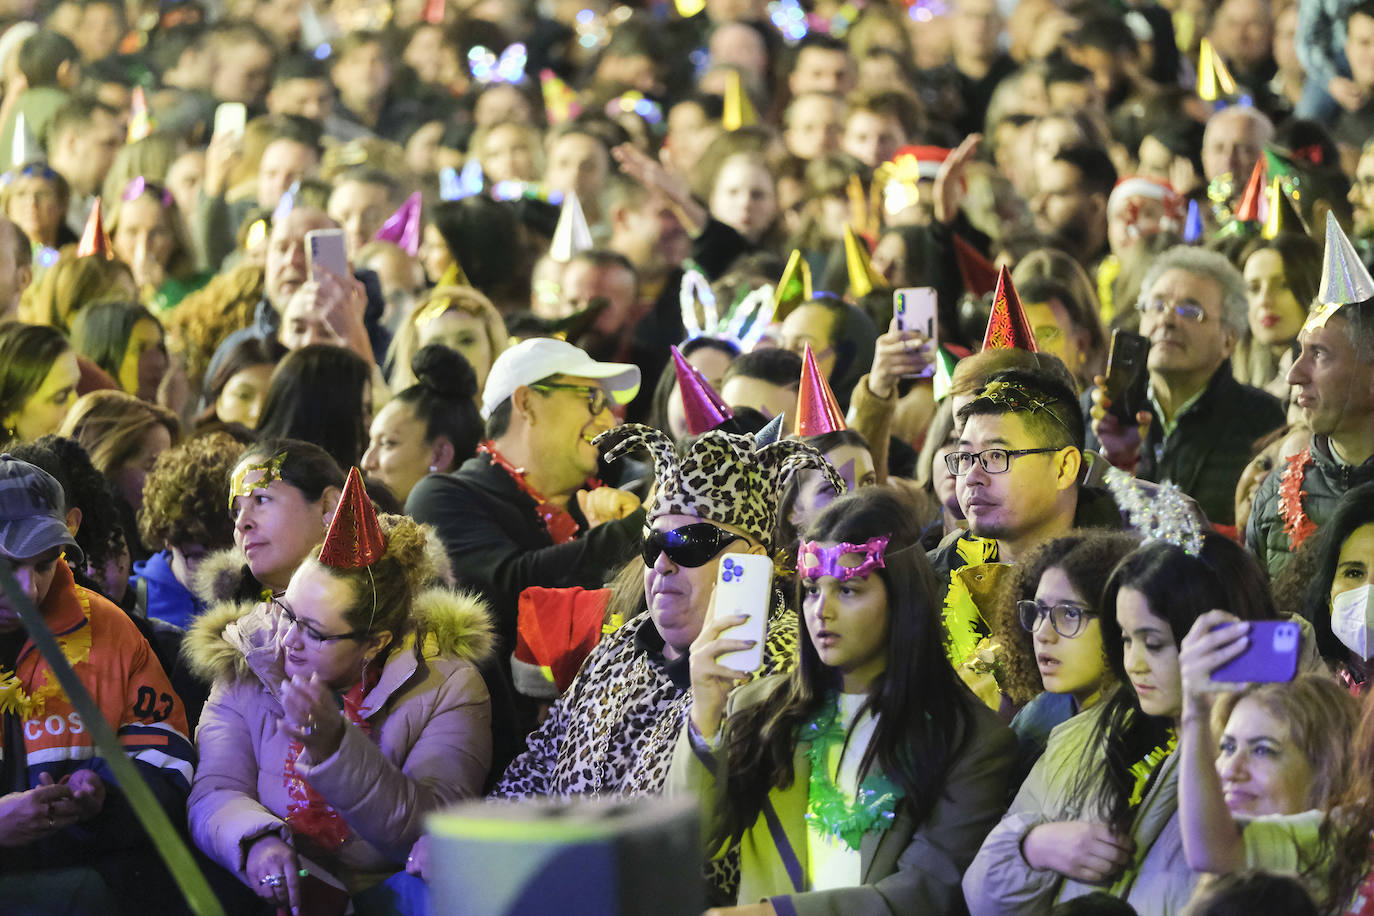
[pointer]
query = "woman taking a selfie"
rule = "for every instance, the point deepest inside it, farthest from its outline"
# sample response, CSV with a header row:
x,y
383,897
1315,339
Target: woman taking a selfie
x,y
863,781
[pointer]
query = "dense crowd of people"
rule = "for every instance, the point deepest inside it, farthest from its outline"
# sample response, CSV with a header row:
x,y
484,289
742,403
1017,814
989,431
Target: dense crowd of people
x,y
391,390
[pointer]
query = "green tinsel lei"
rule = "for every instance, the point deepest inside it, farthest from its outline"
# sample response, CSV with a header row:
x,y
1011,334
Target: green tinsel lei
x,y
828,810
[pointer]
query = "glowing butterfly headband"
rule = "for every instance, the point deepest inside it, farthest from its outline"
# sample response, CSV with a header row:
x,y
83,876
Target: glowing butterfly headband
x,y
139,186
487,68
815,561
742,324
32,170
635,103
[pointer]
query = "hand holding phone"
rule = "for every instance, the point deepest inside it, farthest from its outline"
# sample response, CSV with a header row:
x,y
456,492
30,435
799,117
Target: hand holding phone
x,y
744,585
1128,379
326,249
916,309
230,120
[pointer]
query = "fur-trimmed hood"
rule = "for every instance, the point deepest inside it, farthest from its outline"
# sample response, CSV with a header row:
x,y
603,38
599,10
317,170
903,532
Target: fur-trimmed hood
x,y
239,640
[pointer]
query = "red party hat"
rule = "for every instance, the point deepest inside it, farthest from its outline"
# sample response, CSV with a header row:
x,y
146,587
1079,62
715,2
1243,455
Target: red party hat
x,y
704,408
434,11
817,410
1008,328
94,241
1251,209
402,228
977,272
354,538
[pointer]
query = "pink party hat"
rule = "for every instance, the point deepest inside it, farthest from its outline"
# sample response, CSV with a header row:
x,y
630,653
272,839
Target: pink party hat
x,y
704,408
402,228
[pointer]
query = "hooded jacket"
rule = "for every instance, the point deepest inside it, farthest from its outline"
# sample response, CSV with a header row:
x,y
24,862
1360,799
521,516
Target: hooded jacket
x,y
430,742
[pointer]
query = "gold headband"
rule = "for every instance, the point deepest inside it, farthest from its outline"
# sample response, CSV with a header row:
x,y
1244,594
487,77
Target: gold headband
x,y
271,471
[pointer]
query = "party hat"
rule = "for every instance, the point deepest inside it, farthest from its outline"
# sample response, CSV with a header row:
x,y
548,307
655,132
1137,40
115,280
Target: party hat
x,y
703,406
571,236
817,410
354,538
24,146
560,100
140,119
315,32
1008,328
861,212
434,11
1283,215
1192,227
94,241
771,432
739,110
1252,202
795,286
977,272
1214,80
403,226
1344,277
863,279
287,203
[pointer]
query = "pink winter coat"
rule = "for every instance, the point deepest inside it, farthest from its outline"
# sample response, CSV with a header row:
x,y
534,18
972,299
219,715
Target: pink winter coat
x,y
430,744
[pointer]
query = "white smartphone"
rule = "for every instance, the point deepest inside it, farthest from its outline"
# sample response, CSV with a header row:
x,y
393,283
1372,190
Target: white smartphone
x,y
230,119
916,309
326,248
744,585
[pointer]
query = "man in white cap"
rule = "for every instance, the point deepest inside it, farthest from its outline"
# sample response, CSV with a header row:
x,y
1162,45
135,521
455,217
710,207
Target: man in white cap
x,y
527,510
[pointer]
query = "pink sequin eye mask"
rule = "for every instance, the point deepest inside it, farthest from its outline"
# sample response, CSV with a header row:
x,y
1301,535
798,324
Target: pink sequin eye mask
x,y
815,561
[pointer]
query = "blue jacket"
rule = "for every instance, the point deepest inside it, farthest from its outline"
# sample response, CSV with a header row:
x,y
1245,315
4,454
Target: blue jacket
x,y
161,595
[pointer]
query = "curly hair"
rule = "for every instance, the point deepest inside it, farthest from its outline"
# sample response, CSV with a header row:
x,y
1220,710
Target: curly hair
x,y
1086,558
211,313
99,535
384,593
186,492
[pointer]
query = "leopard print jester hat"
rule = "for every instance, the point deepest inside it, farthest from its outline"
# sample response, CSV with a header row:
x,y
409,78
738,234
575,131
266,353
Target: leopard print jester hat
x,y
722,477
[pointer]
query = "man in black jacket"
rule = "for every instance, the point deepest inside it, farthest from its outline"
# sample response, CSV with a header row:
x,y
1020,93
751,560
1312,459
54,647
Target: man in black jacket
x,y
1202,423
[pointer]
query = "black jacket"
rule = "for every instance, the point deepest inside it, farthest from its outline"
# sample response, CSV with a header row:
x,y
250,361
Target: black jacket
x,y
499,546
1325,482
1211,444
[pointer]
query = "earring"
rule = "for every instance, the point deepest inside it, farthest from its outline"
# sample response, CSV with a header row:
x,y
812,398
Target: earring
x,y
433,468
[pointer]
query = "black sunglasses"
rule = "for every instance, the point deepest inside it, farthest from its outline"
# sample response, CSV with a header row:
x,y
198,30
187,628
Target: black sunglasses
x,y
690,546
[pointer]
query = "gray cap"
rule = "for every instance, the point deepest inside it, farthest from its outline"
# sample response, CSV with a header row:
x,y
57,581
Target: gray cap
x,y
32,520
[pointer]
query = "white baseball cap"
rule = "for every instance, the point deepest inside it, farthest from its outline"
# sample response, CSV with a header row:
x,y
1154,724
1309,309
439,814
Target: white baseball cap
x,y
540,357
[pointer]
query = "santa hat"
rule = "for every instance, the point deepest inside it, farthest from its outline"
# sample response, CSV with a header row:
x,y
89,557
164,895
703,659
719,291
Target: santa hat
x,y
1127,190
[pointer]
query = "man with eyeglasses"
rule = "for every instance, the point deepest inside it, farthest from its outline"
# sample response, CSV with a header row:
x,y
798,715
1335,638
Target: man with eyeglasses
x,y
1017,472
613,731
526,510
1202,423
65,825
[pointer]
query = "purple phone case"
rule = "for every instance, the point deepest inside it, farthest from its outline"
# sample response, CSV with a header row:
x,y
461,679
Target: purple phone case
x,y
1271,656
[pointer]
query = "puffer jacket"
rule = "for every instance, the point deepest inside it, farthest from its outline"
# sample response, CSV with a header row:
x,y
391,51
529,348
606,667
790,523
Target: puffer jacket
x,y
430,742
1157,881
1323,485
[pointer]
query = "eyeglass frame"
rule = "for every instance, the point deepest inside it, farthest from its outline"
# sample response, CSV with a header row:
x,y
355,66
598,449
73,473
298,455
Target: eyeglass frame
x,y
952,458
309,631
1188,309
1050,612
593,392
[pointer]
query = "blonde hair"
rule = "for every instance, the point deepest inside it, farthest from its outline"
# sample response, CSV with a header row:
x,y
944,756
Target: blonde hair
x,y
70,285
461,299
148,158
111,427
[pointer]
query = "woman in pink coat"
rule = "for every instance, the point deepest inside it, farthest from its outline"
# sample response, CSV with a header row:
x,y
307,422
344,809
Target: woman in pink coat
x,y
342,713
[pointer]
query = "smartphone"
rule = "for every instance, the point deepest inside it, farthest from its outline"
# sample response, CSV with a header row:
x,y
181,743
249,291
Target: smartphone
x,y
326,248
230,119
1271,656
1127,378
744,585
916,309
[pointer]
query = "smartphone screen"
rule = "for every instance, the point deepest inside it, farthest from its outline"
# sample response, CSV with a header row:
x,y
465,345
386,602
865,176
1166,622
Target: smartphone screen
x,y
1271,656
230,119
326,248
916,309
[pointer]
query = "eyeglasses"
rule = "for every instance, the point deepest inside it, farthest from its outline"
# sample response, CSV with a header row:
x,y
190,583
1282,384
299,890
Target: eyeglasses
x,y
1187,309
597,400
310,632
690,546
1068,620
993,460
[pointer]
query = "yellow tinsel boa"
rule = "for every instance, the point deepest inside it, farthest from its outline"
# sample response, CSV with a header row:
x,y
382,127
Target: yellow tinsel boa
x,y
969,650
76,648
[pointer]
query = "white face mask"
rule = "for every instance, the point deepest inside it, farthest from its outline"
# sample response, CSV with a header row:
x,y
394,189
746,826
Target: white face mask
x,y
1352,620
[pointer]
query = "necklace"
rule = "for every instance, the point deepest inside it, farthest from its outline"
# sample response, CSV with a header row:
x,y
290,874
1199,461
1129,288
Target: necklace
x,y
1145,769
828,809
1296,524
560,525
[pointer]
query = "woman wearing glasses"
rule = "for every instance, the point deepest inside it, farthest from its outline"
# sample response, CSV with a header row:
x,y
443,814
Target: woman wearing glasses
x,y
1054,661
1099,810
863,781
342,712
